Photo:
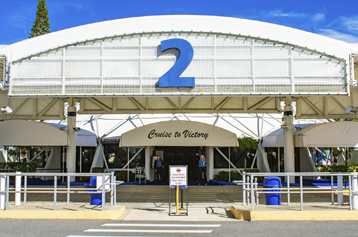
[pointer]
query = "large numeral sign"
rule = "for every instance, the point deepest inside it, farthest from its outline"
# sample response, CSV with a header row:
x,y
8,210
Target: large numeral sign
x,y
171,78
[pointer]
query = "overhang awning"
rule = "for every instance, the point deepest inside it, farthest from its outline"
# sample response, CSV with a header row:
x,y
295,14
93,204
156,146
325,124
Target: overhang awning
x,y
335,134
275,137
30,133
83,137
179,133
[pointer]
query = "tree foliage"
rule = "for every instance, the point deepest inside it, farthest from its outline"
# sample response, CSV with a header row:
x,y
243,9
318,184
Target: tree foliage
x,y
41,24
247,144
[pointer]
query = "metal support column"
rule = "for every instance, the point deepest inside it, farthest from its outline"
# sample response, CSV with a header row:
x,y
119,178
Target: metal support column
x,y
71,139
289,149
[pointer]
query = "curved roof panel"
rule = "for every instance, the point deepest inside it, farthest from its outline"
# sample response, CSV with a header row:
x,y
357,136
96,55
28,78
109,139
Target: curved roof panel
x,y
30,133
187,23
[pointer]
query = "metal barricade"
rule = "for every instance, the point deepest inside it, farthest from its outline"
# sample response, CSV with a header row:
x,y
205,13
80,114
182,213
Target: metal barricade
x,y
106,186
250,192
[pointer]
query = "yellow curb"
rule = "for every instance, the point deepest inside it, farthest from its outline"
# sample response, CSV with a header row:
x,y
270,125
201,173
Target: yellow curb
x,y
242,214
294,215
63,215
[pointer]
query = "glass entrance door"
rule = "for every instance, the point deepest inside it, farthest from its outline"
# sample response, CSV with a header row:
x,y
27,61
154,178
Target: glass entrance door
x,y
182,156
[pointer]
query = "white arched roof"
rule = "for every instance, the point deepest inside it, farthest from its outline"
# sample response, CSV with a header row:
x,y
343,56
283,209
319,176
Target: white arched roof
x,y
333,134
30,133
226,25
336,134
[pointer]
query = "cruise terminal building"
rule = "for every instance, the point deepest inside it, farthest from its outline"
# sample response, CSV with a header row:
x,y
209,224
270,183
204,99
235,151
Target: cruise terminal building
x,y
178,65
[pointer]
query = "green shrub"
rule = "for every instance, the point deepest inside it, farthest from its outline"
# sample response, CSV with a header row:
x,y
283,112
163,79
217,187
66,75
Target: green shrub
x,y
97,170
84,179
122,175
224,175
29,167
336,168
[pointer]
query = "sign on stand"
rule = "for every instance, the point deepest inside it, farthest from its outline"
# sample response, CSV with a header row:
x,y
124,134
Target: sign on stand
x,y
178,176
178,181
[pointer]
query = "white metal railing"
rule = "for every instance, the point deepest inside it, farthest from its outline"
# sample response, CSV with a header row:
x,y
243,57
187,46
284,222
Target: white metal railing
x,y
250,191
107,185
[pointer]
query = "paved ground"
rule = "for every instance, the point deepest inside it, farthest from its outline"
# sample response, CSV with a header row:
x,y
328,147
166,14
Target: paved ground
x,y
92,228
148,202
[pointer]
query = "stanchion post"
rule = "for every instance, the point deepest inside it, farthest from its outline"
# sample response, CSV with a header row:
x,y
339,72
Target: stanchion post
x,y
18,188
243,188
68,189
257,194
248,190
54,192
25,189
177,200
181,197
350,191
252,192
7,200
103,193
332,194
112,188
301,192
288,189
340,189
354,189
2,191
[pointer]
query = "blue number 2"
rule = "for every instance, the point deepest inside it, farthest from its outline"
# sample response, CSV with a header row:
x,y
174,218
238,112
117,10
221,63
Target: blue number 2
x,y
171,78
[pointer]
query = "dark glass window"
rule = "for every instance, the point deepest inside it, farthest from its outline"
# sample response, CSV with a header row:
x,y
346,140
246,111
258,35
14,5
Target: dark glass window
x,y
236,157
117,157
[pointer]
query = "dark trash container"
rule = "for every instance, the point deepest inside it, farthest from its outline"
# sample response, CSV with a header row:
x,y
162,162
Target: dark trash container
x,y
95,198
273,198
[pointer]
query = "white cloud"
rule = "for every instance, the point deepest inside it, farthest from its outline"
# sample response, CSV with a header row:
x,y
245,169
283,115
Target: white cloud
x,y
351,23
318,17
339,35
57,7
279,13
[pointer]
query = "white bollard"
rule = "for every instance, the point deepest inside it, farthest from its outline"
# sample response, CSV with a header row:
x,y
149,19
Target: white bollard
x,y
18,189
354,189
2,189
340,189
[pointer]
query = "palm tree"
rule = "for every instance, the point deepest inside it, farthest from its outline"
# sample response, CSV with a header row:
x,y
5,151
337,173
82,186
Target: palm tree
x,y
246,144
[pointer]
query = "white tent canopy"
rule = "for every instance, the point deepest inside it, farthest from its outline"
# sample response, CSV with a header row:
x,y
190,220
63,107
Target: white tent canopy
x,y
30,133
336,134
83,137
275,138
333,134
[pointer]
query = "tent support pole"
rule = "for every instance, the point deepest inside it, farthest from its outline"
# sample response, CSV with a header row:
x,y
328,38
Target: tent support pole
x,y
289,149
71,138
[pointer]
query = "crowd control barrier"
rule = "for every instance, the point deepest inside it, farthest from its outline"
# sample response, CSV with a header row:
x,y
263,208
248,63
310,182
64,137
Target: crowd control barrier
x,y
104,183
251,192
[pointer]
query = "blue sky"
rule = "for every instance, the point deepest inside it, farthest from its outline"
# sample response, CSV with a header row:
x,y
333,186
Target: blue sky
x,y
336,19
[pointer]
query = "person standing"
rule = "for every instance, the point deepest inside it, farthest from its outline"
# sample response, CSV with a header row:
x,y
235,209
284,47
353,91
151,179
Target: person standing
x,y
202,169
158,166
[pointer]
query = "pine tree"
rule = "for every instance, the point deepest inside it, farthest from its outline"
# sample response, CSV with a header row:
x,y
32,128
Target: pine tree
x,y
41,24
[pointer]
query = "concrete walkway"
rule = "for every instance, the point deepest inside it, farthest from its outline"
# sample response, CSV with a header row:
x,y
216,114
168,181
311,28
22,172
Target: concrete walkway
x,y
149,202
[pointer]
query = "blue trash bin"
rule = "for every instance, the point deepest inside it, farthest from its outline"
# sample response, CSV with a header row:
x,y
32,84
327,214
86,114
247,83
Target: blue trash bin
x,y
95,198
273,198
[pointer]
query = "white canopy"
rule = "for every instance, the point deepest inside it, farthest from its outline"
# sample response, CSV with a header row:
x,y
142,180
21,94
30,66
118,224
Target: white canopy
x,y
332,134
179,133
275,138
335,134
83,137
30,133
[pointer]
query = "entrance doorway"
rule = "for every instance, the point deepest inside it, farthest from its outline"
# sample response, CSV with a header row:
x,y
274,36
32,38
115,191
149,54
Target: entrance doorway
x,y
182,156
